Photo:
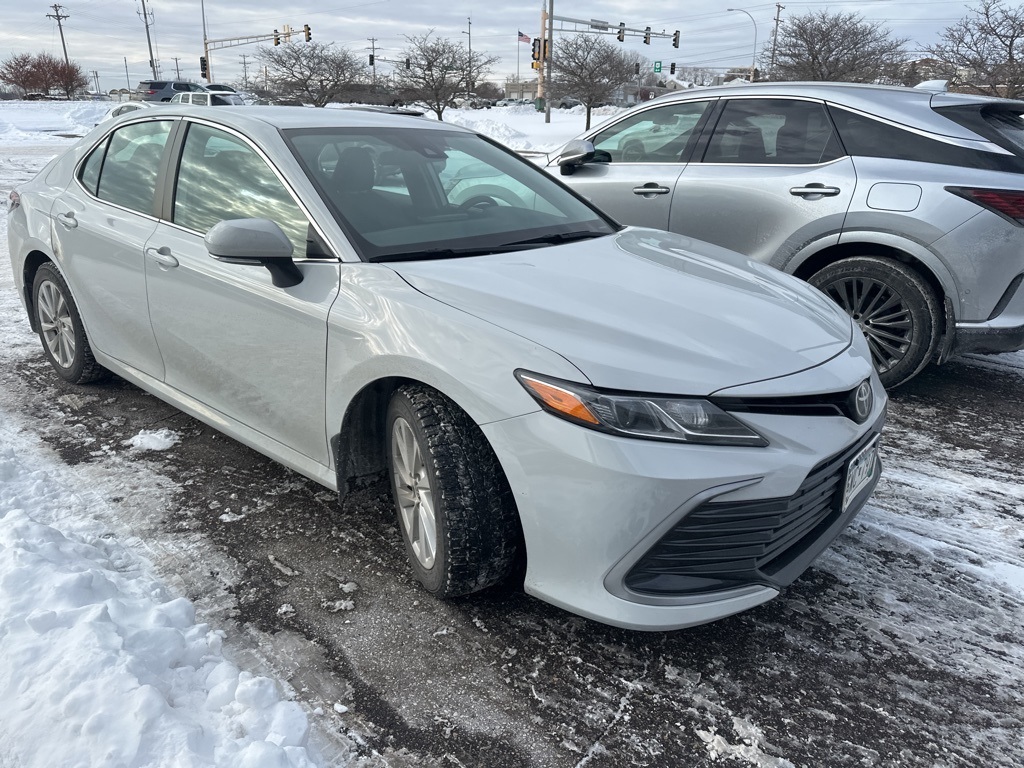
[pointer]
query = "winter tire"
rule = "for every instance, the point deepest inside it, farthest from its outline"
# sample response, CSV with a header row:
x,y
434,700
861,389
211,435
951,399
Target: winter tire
x,y
454,505
894,307
60,328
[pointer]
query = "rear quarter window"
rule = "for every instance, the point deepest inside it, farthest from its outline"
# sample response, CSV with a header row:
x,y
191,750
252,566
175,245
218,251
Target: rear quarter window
x,y
864,137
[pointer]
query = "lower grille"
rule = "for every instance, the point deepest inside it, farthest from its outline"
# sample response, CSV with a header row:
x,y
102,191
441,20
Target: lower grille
x,y
722,545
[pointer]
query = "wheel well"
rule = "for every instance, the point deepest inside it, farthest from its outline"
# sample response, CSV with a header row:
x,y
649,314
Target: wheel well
x,y
33,262
835,253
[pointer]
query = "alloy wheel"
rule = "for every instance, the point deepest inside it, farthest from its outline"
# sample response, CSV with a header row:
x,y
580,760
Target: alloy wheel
x,y
56,324
882,315
414,494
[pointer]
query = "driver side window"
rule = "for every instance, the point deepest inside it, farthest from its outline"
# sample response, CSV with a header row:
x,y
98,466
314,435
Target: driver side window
x,y
658,135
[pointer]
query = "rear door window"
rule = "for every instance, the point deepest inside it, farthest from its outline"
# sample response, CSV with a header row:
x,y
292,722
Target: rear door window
x,y
773,132
129,164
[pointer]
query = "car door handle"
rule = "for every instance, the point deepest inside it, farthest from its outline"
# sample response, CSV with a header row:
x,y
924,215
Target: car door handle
x,y
162,256
812,190
67,220
650,189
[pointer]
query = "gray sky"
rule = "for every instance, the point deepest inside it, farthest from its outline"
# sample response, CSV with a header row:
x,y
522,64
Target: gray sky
x,y
102,34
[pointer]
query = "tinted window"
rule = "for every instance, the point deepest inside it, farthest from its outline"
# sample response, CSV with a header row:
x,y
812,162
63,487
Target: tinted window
x,y
131,165
865,137
221,177
416,193
659,135
773,132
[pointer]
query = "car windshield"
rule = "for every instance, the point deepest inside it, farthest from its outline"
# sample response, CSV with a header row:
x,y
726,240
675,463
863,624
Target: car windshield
x,y
413,193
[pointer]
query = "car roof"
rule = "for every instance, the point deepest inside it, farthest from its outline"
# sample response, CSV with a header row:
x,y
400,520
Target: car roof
x,y
256,119
913,107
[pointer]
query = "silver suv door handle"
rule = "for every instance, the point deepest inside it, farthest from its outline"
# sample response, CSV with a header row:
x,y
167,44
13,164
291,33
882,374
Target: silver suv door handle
x,y
67,220
812,190
162,256
650,189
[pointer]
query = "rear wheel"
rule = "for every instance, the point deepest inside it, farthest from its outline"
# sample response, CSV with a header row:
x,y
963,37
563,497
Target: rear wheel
x,y
896,309
454,505
60,328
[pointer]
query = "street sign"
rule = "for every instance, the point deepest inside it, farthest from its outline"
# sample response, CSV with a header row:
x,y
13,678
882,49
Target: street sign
x,y
657,66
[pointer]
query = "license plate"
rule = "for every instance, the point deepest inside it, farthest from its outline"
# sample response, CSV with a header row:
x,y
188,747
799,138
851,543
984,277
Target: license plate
x,y
860,471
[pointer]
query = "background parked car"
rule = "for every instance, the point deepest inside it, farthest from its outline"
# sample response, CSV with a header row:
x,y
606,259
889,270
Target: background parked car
x,y
905,205
163,90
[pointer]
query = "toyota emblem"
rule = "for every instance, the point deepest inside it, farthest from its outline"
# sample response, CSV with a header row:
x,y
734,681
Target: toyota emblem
x,y
863,400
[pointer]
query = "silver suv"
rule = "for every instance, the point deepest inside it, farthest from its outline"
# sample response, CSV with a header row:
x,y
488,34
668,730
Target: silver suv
x,y
905,205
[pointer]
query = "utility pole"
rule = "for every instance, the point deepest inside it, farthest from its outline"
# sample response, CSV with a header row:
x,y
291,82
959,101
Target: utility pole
x,y
126,76
469,63
206,44
245,70
96,80
60,17
149,41
373,61
177,69
547,52
779,8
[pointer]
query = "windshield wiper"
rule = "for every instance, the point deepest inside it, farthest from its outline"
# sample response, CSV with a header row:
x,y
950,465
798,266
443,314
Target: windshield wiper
x,y
435,253
558,237
518,245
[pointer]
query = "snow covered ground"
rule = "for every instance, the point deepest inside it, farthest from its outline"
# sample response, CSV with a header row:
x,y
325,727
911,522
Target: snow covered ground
x,y
902,647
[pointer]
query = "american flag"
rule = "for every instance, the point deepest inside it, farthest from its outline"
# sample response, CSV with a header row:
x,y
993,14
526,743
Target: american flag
x,y
524,38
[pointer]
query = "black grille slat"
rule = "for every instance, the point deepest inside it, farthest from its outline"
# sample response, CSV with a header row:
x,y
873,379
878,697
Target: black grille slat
x,y
739,542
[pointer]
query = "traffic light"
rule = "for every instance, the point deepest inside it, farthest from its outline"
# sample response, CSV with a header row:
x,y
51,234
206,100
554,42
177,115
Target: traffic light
x,y
371,59
675,39
407,65
308,31
536,49
637,65
277,37
202,66
622,33
647,36
672,68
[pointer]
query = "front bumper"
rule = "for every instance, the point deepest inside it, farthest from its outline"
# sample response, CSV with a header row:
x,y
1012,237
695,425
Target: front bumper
x,y
594,505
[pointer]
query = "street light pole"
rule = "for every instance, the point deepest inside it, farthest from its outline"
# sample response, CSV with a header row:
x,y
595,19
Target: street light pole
x,y
753,61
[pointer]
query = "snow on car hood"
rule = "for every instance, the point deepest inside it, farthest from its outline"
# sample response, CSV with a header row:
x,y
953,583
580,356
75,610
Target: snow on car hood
x,y
646,311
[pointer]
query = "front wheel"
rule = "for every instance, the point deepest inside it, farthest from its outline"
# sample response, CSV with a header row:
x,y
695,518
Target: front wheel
x,y
455,507
896,309
61,330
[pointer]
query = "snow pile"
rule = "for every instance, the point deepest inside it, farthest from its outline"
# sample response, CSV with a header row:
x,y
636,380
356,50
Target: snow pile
x,y
104,662
39,121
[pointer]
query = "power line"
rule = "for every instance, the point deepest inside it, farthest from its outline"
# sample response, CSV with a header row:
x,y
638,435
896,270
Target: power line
x,y
60,17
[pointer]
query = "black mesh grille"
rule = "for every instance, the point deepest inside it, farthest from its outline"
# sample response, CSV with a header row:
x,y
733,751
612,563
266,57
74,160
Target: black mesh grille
x,y
722,545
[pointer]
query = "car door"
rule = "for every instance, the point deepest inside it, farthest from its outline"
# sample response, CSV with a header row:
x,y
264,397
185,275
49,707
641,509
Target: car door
x,y
771,177
645,153
229,338
101,224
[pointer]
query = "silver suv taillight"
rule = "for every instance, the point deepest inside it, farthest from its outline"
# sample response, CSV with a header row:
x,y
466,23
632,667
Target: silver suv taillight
x,y
1008,203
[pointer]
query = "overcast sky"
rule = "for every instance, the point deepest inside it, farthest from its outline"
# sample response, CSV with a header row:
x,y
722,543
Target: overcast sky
x,y
102,34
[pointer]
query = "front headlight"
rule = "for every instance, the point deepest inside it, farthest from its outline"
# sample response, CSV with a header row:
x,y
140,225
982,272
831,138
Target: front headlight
x,y
678,419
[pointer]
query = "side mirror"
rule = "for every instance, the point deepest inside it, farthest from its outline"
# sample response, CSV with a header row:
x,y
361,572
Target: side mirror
x,y
255,241
573,155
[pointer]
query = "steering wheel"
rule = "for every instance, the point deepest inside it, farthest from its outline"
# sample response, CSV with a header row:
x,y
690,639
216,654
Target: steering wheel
x,y
478,203
632,152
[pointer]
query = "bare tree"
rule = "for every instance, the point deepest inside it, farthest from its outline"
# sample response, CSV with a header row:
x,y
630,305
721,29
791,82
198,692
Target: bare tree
x,y
315,72
70,78
836,46
46,73
16,71
984,51
697,75
590,69
439,70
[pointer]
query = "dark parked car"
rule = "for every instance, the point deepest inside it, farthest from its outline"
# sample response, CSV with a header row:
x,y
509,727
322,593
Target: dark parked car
x,y
163,90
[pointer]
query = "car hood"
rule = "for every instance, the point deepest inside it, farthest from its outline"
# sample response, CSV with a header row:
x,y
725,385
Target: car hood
x,y
644,310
